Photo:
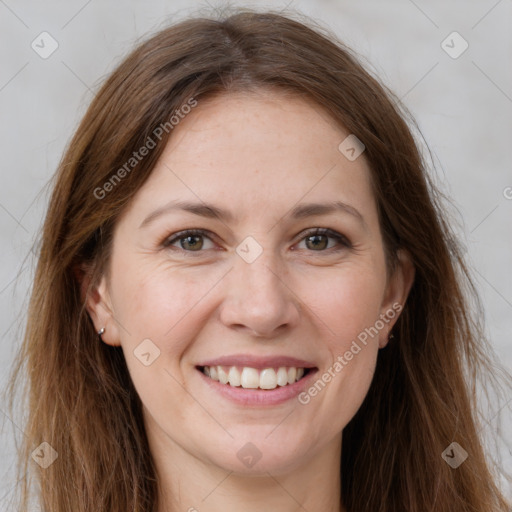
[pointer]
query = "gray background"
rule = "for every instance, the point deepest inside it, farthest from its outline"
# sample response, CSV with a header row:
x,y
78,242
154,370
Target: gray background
x,y
463,107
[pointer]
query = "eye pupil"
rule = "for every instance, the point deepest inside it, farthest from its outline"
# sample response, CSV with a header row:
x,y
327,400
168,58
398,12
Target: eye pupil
x,y
315,244
188,239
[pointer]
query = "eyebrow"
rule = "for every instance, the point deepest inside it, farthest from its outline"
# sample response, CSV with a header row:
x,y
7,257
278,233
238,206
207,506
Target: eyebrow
x,y
213,212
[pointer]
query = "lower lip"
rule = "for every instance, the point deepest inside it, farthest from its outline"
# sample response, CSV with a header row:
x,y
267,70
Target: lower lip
x,y
253,396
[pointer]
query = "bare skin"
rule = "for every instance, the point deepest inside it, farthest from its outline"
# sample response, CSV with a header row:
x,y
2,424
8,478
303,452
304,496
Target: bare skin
x,y
257,156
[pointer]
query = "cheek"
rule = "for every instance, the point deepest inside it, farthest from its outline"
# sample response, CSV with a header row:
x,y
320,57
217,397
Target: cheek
x,y
347,307
163,304
348,302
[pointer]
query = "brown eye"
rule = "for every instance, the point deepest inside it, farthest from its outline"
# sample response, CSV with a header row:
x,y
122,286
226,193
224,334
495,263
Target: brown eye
x,y
189,241
318,240
193,242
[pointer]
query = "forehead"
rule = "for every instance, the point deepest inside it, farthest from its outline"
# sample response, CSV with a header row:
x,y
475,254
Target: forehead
x,y
256,153
271,123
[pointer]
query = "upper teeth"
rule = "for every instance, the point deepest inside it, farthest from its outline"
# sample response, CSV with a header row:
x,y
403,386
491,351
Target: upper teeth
x,y
268,378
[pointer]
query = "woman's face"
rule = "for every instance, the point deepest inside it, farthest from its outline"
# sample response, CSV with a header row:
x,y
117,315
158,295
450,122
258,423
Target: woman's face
x,y
257,290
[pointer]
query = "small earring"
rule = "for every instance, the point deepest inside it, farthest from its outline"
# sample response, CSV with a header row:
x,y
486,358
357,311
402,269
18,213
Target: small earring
x,y
391,336
100,332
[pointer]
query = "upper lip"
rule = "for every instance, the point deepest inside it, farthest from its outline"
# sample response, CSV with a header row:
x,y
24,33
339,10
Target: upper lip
x,y
258,362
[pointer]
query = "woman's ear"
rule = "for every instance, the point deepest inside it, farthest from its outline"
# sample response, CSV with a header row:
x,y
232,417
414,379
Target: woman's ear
x,y
397,290
98,304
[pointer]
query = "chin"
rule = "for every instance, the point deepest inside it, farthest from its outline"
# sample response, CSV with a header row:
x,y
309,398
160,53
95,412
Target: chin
x,y
258,456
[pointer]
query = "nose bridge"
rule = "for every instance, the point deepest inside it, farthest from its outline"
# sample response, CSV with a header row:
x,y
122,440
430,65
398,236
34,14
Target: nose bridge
x,y
257,296
262,276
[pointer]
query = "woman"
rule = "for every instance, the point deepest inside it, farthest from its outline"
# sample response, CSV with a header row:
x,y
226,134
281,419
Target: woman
x,y
247,295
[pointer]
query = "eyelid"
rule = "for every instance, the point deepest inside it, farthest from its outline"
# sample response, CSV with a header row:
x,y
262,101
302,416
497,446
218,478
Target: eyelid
x,y
175,237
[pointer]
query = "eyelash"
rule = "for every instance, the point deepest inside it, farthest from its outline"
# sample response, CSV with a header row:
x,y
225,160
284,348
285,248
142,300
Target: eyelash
x,y
343,241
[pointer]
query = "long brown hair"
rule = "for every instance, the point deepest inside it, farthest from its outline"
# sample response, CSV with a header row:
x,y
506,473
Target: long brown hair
x,y
80,398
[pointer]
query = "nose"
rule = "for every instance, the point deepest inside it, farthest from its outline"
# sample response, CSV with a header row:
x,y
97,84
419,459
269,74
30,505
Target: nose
x,y
258,299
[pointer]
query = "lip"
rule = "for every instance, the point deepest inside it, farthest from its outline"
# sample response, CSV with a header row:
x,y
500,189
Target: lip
x,y
260,397
258,362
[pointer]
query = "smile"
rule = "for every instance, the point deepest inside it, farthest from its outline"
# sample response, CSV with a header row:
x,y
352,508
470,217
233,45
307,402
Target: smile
x,y
253,378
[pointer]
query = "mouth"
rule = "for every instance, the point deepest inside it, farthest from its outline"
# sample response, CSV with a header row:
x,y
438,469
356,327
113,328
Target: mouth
x,y
256,378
